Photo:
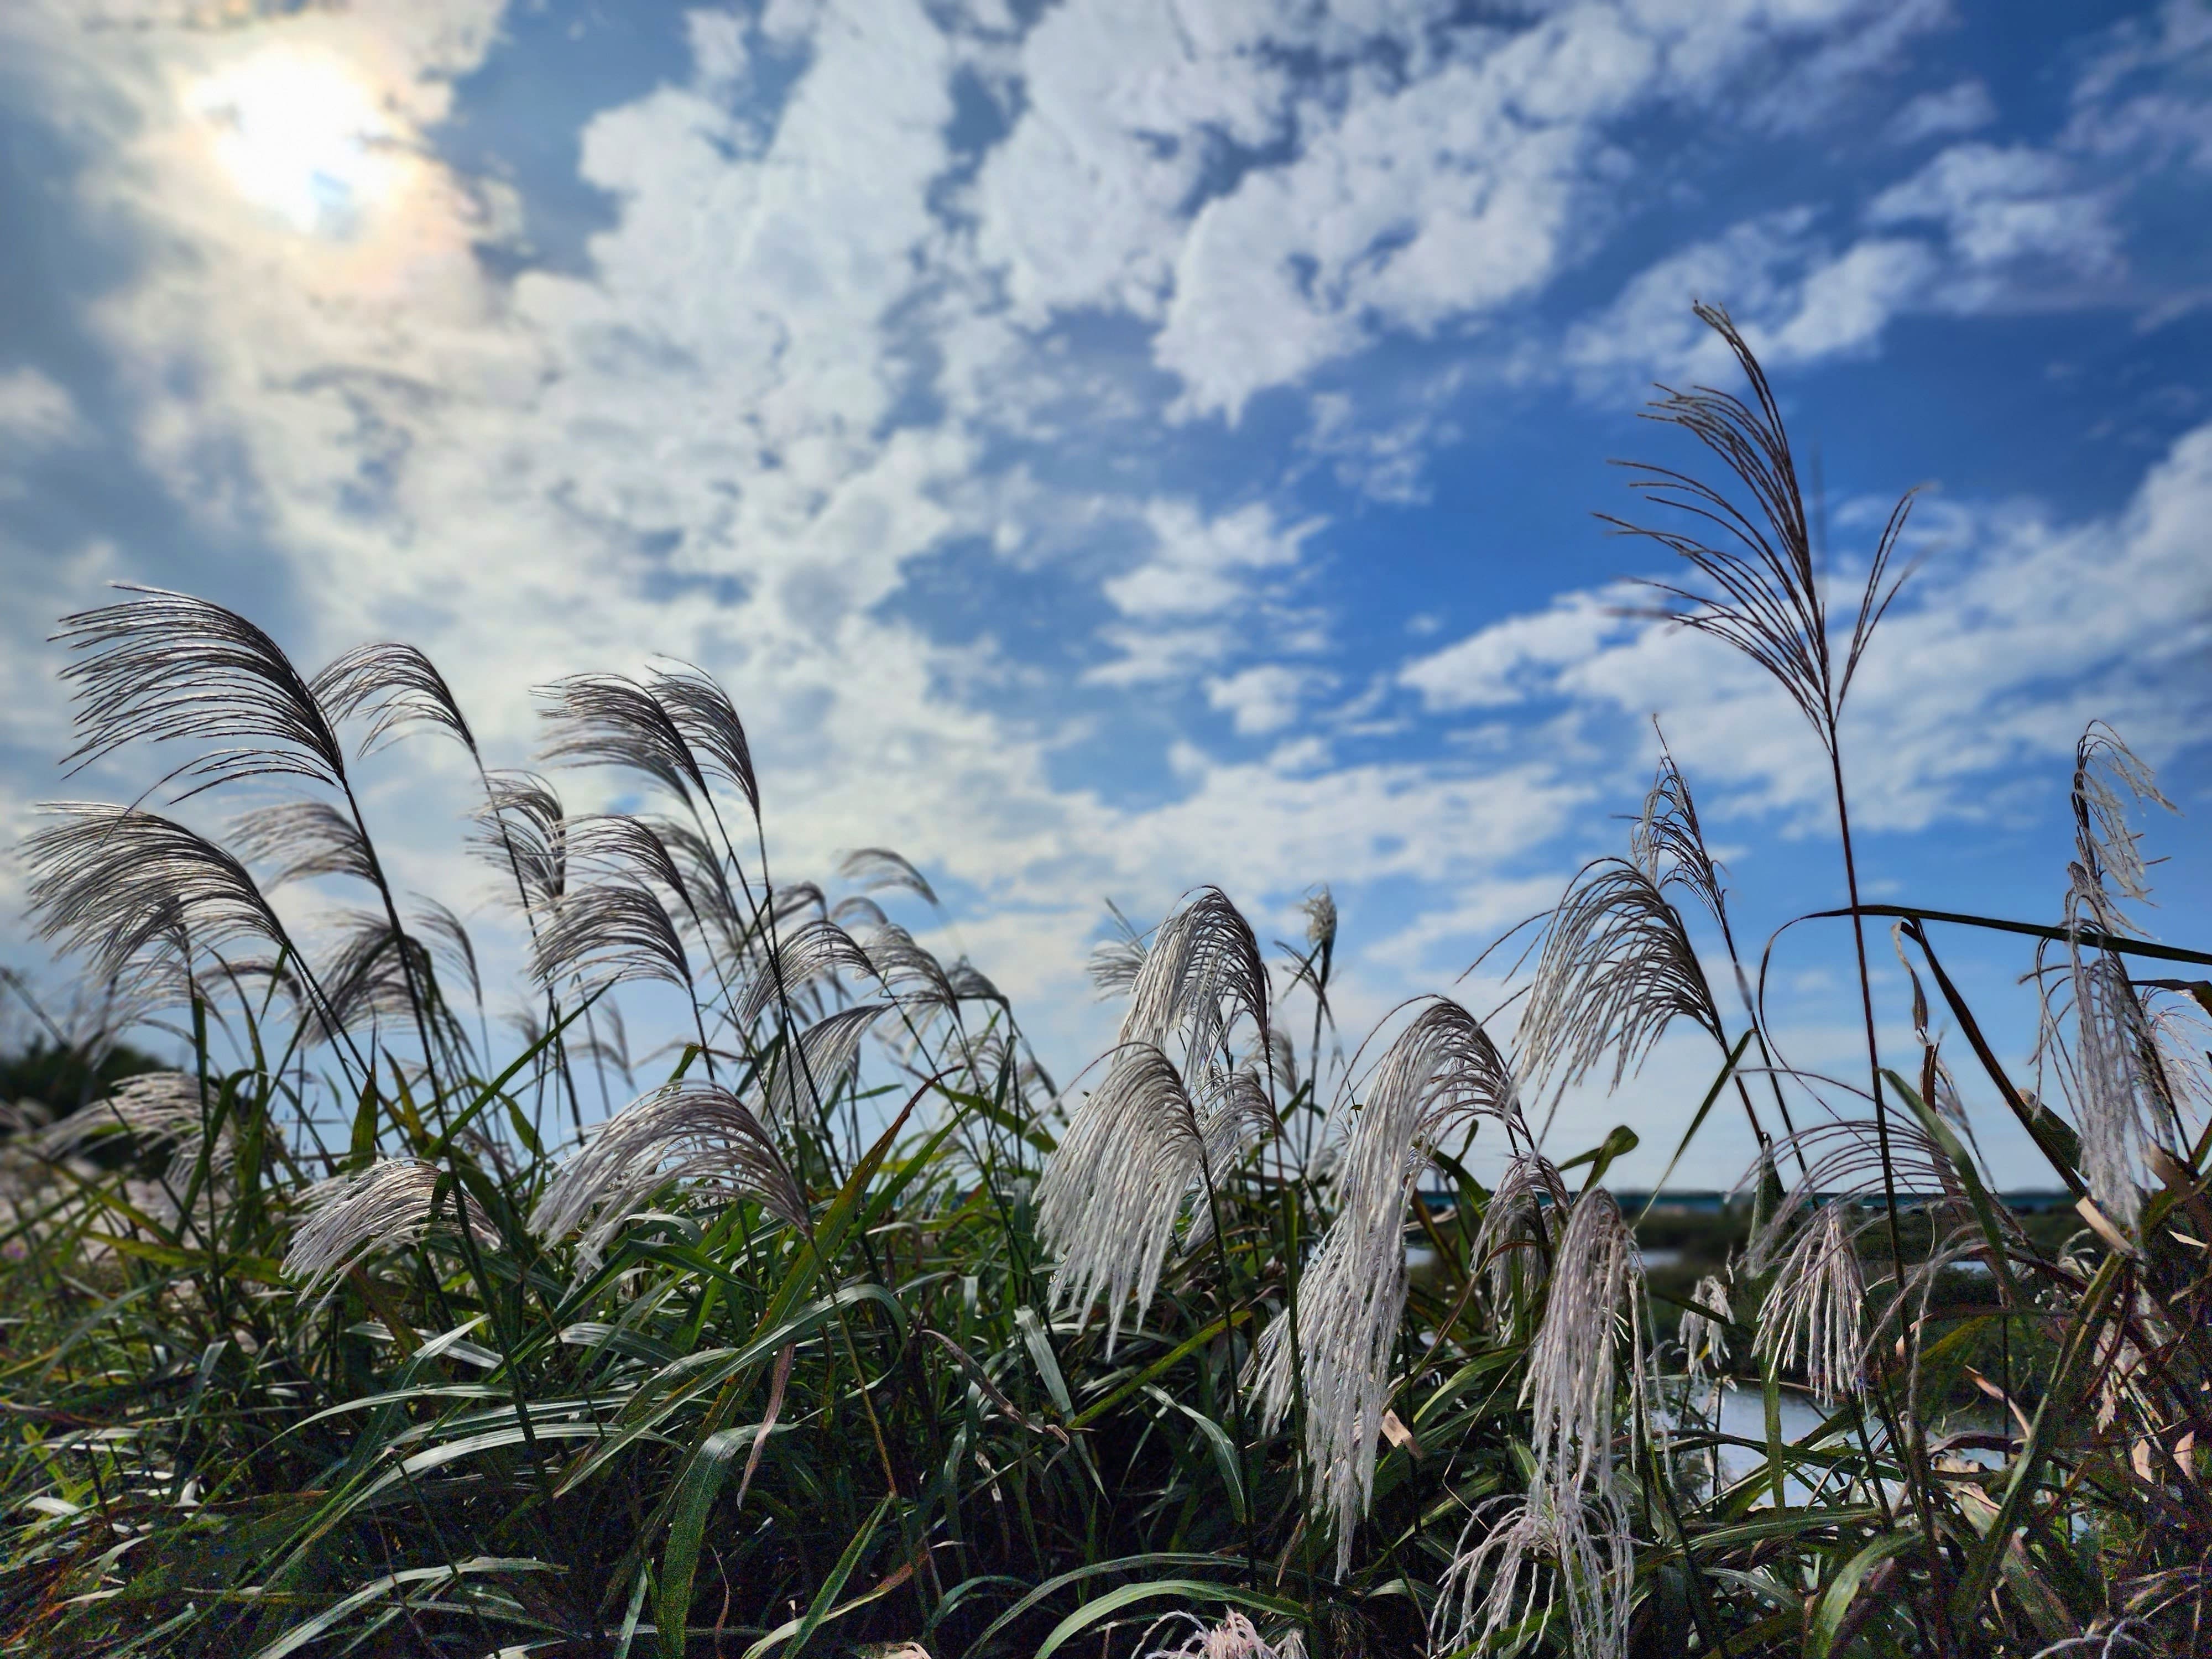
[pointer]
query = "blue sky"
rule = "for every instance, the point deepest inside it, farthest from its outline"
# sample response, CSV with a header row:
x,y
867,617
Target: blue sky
x,y
1106,447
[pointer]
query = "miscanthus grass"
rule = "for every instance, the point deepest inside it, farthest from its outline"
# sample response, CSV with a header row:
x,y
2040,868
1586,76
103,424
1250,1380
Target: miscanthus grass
x,y
739,1281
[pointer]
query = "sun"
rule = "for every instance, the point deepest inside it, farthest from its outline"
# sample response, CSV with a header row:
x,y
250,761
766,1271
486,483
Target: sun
x,y
301,135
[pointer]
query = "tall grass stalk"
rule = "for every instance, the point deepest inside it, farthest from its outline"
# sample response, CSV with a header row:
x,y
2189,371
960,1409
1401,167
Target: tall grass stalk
x,y
852,1331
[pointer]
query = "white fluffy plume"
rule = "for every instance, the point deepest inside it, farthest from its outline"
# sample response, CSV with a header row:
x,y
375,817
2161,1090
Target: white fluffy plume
x,y
694,1132
1571,1384
1815,1310
1494,1580
1107,1203
1441,1071
396,1202
158,1110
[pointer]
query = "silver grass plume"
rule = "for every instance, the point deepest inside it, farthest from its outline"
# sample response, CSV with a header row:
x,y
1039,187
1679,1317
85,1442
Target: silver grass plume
x,y
302,840
856,911
392,1203
1526,1208
695,1132
366,976
609,720
1763,591
604,933
971,984
1109,1199
2113,1074
392,687
1668,843
1595,1293
712,902
1440,1072
1320,910
1234,1637
1843,1159
813,952
165,667
1815,1311
2109,779
623,846
451,949
1493,1582
110,882
1617,970
707,720
1204,968
1704,1339
522,827
1704,1355
158,1110
827,1050
878,869
907,970
1115,961
2108,1073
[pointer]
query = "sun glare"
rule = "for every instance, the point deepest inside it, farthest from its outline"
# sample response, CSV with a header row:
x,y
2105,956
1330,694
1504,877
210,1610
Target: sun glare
x,y
301,136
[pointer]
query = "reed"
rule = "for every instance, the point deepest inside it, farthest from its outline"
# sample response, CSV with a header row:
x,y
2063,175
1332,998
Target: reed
x,y
372,1327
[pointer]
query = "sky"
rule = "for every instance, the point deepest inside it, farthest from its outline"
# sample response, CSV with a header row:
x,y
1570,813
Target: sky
x,y
1112,445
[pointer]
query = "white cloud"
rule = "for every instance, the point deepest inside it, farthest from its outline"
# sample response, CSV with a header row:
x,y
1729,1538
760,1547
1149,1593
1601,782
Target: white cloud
x,y
1795,300
1509,661
1200,565
1997,205
1261,699
1962,107
36,412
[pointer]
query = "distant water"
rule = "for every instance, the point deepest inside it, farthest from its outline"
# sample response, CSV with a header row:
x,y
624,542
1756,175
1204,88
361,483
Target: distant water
x,y
1743,1415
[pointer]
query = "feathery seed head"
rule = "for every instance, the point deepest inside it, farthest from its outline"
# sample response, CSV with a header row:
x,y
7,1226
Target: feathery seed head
x,y
1494,1581
393,687
687,1131
397,1202
706,720
112,883
163,666
2108,780
1234,1637
1815,1311
1617,970
1204,970
1704,1340
1763,592
1107,1203
1440,1072
609,720
1667,844
816,951
827,1050
878,869
158,1110
608,933
1595,1292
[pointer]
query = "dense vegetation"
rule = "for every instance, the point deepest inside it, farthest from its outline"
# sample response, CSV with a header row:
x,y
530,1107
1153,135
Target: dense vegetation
x,y
351,1335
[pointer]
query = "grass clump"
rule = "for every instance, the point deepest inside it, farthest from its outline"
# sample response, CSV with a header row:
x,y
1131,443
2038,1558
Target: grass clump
x,y
851,1332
